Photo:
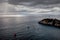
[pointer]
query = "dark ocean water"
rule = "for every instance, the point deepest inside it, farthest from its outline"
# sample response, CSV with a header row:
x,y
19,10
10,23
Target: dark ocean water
x,y
26,28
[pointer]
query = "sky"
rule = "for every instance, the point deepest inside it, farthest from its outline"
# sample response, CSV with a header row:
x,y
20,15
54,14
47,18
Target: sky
x,y
29,7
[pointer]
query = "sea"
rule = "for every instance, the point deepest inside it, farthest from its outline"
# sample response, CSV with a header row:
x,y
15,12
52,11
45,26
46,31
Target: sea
x,y
27,28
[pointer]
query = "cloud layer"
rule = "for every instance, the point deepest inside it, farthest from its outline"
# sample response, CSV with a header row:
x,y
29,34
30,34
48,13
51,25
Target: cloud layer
x,y
29,7
2,1
34,2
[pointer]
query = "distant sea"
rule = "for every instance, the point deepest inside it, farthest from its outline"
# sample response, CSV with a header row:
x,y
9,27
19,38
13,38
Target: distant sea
x,y
27,28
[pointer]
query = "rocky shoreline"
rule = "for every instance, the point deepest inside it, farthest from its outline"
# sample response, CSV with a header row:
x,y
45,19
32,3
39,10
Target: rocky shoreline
x,y
50,22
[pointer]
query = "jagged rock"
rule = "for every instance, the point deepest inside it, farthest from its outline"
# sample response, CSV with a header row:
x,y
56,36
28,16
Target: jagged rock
x,y
50,22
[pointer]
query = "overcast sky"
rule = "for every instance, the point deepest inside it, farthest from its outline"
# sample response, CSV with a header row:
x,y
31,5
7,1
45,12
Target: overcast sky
x,y
28,7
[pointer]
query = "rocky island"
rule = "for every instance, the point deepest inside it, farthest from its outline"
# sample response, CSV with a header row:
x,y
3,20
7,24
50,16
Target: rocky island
x,y
50,22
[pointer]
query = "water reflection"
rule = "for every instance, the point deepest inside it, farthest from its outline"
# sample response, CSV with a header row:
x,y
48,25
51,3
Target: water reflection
x,y
26,28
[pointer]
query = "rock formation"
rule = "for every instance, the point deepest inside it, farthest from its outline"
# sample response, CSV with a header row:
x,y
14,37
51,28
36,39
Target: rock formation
x,y
51,22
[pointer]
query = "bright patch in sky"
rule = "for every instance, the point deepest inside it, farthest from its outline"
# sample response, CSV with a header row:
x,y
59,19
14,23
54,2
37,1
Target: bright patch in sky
x,y
12,15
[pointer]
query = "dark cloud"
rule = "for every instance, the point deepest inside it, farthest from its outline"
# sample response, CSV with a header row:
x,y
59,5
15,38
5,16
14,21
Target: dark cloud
x,y
1,1
35,2
18,1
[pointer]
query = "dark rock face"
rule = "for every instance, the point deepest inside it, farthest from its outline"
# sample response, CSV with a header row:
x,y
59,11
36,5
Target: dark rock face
x,y
51,22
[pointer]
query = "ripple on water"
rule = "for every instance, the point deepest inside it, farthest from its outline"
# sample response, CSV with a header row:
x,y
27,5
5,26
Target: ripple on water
x,y
30,30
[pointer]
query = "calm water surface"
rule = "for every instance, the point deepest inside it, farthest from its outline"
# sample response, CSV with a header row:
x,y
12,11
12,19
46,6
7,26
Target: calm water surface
x,y
26,28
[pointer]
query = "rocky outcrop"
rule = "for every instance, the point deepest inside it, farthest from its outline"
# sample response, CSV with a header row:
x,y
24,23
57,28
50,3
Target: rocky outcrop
x,y
51,22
